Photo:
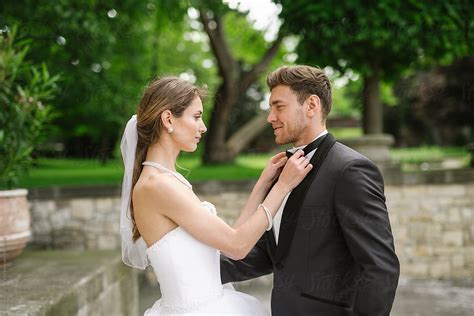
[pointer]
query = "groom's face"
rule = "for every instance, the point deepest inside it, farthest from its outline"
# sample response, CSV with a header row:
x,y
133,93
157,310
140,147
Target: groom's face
x,y
286,116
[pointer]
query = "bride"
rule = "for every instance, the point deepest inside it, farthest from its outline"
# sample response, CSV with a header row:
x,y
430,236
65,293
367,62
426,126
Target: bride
x,y
165,225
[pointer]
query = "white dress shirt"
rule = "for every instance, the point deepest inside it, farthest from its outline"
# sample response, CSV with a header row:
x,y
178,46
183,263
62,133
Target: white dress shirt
x,y
279,213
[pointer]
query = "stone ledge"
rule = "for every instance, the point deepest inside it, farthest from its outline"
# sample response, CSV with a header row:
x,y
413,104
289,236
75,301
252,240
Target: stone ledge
x,y
201,187
74,191
458,176
68,283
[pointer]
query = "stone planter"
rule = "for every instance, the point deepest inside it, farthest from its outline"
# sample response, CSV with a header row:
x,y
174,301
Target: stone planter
x,y
14,223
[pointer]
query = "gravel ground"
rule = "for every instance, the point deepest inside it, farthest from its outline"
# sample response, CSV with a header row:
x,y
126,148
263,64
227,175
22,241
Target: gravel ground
x,y
414,297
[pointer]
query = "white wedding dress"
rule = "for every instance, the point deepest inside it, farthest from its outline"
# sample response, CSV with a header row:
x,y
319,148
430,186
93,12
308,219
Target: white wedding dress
x,y
189,275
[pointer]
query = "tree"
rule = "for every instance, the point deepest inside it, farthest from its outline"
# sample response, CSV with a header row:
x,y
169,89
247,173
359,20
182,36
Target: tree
x,y
437,106
106,51
241,55
100,48
236,79
379,40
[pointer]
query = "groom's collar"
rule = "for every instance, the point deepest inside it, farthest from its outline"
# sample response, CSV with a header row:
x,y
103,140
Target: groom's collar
x,y
294,149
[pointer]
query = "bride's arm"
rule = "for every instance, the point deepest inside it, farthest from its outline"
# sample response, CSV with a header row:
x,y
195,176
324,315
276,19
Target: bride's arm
x,y
185,209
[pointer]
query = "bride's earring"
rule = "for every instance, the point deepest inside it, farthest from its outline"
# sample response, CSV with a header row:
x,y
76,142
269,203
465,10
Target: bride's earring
x,y
170,130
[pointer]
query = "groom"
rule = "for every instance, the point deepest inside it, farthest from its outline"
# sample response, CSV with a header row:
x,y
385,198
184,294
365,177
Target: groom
x,y
331,247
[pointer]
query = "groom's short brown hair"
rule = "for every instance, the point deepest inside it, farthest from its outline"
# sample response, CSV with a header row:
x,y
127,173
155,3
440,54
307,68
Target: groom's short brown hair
x,y
304,81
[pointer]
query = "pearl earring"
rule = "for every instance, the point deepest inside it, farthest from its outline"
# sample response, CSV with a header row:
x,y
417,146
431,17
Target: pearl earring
x,y
170,130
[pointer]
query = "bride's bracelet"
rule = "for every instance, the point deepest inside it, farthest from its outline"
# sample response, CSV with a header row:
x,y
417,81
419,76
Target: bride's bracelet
x,y
269,216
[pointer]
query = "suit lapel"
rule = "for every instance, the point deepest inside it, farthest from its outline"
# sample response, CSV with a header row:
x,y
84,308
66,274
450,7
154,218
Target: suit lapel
x,y
295,200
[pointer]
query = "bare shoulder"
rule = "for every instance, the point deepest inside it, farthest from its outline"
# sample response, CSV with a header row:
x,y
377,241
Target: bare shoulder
x,y
162,189
157,185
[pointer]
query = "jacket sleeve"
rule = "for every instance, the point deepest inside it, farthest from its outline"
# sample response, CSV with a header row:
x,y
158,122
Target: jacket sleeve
x,y
363,217
255,264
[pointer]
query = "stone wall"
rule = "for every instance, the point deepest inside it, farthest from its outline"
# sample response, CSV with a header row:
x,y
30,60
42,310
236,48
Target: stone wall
x,y
433,226
432,216
76,222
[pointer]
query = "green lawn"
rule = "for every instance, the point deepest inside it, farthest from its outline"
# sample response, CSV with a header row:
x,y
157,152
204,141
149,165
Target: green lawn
x,y
64,172
427,154
346,132
68,172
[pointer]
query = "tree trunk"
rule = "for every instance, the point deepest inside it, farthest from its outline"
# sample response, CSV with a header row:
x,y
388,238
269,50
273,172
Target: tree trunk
x,y
241,139
215,149
220,147
373,111
104,150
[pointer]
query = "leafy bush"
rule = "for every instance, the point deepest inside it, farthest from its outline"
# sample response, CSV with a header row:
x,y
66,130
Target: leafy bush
x,y
436,106
25,90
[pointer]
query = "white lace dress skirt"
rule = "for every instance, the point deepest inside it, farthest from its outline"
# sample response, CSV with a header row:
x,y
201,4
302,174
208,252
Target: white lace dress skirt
x,y
230,302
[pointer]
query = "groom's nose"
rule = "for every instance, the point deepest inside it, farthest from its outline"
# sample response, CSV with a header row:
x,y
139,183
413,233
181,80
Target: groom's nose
x,y
271,117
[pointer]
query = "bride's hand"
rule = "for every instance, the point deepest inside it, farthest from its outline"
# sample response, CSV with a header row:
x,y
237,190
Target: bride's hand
x,y
273,169
296,168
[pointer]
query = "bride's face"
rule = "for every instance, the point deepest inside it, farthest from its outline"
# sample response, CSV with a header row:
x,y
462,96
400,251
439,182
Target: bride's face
x,y
188,128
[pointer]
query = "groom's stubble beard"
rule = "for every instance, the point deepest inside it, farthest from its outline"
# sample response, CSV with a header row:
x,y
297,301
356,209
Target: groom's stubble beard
x,y
294,130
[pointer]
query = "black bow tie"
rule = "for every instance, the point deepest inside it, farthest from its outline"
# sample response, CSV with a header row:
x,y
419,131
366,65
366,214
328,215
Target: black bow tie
x,y
310,147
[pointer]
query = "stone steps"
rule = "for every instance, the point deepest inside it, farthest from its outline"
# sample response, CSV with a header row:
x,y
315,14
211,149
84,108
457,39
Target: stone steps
x,y
68,283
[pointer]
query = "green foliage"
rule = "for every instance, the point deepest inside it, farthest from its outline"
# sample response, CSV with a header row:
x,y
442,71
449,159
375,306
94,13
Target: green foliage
x,y
389,35
347,99
100,49
379,40
435,106
247,44
106,51
24,112
178,47
106,61
181,48
342,105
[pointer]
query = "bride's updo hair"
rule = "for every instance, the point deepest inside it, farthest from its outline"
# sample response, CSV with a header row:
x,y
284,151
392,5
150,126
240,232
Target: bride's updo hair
x,y
167,93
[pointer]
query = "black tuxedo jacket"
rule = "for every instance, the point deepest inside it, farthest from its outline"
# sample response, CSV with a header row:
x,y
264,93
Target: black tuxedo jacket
x,y
335,254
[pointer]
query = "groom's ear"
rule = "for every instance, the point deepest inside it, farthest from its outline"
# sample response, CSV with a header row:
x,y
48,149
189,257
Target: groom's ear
x,y
313,106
